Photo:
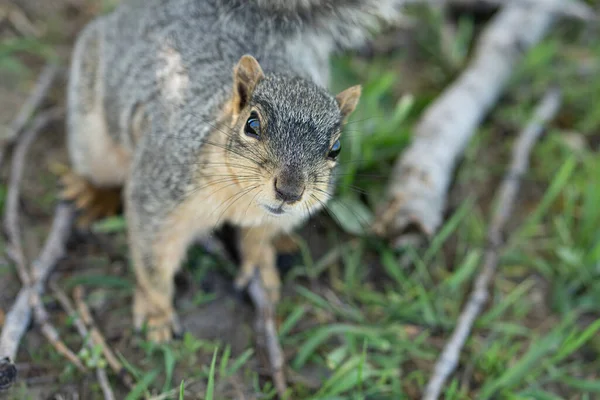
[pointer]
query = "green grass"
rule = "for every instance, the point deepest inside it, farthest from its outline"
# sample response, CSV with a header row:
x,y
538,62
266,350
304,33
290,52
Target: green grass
x,y
368,320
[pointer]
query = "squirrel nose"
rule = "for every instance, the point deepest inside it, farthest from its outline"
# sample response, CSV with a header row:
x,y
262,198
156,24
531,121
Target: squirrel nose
x,y
288,190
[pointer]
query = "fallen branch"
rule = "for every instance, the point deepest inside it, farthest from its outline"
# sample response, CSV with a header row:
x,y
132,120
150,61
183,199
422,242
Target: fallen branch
x,y
416,193
507,194
43,85
97,338
19,317
11,210
29,298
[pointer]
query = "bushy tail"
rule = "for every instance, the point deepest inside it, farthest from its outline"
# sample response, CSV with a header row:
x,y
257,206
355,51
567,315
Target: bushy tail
x,y
346,22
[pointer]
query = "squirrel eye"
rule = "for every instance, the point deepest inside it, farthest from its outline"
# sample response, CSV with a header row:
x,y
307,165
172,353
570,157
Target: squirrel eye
x,y
335,150
252,127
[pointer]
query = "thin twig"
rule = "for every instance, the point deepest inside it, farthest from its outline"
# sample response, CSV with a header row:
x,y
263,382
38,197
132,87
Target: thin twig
x,y
55,247
507,194
267,333
43,85
98,339
50,332
66,304
11,210
265,327
104,384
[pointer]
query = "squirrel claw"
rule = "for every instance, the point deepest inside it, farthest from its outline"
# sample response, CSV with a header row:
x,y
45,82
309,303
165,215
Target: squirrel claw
x,y
162,329
93,202
160,325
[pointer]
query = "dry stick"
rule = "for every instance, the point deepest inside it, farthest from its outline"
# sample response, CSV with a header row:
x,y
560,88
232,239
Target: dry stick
x,y
104,384
416,192
12,226
507,194
97,338
15,325
43,85
11,211
50,332
66,304
84,333
19,316
266,330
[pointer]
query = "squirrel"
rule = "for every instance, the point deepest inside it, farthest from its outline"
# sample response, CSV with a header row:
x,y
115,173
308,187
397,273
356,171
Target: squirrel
x,y
200,112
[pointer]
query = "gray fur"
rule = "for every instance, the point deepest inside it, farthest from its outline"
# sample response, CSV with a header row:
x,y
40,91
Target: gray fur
x,y
300,126
154,76
295,37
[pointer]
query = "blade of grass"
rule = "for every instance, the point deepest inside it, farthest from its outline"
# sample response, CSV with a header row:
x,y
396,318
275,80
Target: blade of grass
x,y
210,388
141,387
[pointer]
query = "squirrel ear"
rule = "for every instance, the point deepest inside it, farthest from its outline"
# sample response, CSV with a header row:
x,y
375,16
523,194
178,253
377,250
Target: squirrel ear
x,y
246,74
348,99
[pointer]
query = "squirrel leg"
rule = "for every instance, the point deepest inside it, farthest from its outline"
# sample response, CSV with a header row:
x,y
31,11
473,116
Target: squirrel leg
x,y
258,253
158,245
286,243
155,265
156,260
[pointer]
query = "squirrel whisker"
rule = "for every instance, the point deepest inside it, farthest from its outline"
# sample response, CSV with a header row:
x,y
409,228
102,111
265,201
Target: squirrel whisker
x,y
238,197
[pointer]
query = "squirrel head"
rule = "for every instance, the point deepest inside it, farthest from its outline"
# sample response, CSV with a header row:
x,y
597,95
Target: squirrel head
x,y
286,133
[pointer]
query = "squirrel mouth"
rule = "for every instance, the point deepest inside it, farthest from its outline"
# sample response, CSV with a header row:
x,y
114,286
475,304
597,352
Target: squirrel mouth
x,y
276,211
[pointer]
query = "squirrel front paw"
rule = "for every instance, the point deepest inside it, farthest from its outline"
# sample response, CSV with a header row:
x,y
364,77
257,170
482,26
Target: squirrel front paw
x,y
161,323
92,202
269,277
